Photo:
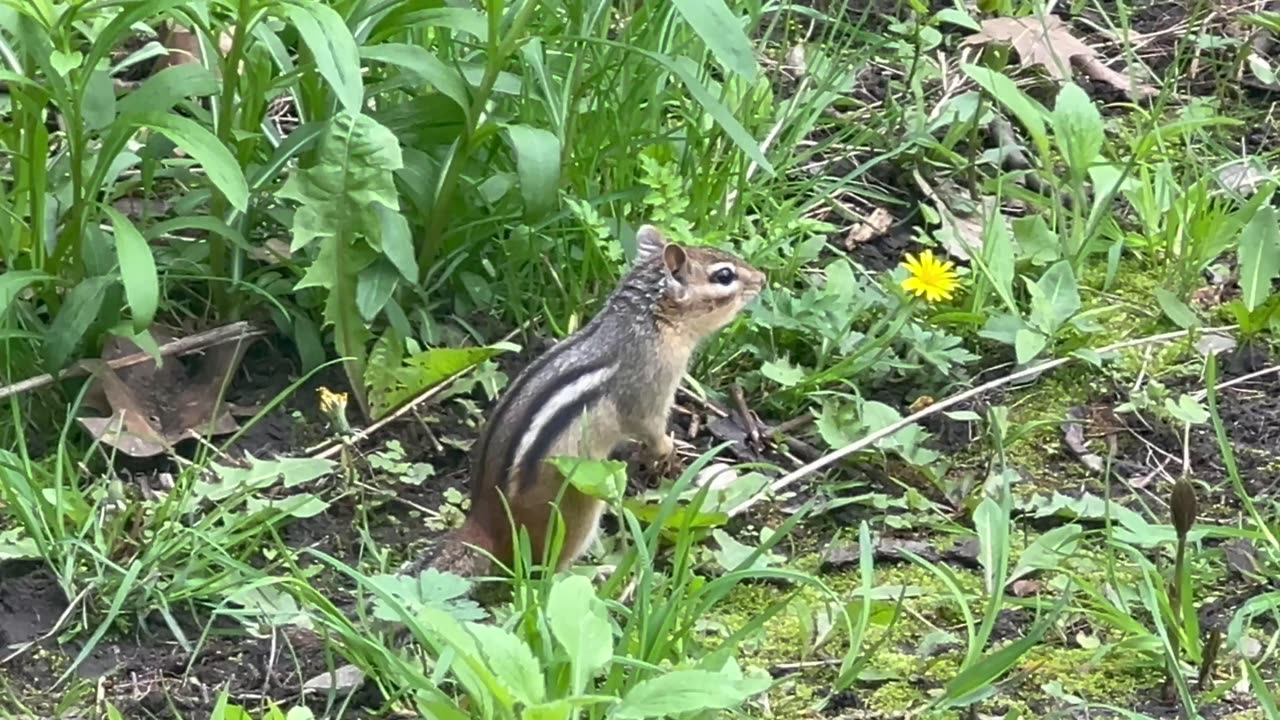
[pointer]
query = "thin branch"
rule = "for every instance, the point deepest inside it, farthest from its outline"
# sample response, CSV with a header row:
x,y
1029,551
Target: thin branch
x,y
236,331
941,405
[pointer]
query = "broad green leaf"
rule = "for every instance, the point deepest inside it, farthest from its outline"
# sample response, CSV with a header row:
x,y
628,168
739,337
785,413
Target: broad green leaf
x,y
64,63
683,691
1259,257
722,31
732,553
426,66
1028,344
218,162
538,164
353,169
465,20
302,505
374,286
1176,310
422,371
261,474
1028,112
1047,552
78,312
1077,129
333,48
167,88
468,667
580,623
557,710
783,372
1003,328
602,479
431,588
1036,241
998,252
1055,297
1187,409
13,282
137,270
511,661
992,527
98,107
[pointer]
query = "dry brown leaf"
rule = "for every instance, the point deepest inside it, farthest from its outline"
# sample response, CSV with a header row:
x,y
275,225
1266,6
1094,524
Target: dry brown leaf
x,y
151,407
1038,41
1073,436
870,228
1048,43
184,46
1025,588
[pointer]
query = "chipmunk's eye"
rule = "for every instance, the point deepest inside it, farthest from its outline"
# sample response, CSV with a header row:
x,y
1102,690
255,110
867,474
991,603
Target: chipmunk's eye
x,y
724,276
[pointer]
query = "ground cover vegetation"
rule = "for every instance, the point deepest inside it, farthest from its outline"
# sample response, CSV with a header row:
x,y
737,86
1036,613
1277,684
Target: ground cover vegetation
x,y
1000,439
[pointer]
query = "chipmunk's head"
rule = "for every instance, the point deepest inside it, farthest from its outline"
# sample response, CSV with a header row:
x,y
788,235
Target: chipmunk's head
x,y
704,289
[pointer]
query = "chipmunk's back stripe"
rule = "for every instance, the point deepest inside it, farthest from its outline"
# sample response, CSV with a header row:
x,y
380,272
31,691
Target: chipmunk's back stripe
x,y
517,388
552,411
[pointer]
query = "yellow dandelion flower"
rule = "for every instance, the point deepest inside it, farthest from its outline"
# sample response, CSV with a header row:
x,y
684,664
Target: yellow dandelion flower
x,y
929,277
334,404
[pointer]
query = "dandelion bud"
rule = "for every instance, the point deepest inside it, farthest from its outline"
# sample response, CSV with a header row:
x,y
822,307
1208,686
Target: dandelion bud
x,y
1182,507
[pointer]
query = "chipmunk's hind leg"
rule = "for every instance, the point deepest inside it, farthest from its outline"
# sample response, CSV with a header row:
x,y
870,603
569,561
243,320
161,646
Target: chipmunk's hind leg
x,y
580,514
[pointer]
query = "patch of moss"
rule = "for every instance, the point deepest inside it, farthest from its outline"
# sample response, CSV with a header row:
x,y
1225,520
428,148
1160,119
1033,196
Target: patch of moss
x,y
1115,677
896,698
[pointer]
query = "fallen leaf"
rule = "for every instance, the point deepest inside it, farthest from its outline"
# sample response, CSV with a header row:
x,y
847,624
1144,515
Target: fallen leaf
x,y
871,227
184,46
1025,588
1244,177
344,680
1213,344
1048,43
1073,436
1242,557
150,407
718,475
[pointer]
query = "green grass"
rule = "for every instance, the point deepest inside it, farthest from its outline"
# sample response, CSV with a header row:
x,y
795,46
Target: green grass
x,y
402,193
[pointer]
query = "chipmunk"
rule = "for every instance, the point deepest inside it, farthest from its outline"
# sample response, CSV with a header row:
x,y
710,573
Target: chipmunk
x,y
614,379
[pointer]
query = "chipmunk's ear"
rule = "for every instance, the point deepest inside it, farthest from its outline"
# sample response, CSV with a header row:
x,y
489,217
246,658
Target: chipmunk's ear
x,y
675,258
649,242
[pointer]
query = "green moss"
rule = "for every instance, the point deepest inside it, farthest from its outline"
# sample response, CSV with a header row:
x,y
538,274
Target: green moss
x,y
896,697
1115,678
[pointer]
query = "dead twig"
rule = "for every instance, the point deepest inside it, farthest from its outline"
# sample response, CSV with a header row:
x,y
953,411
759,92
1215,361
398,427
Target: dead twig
x,y
877,436
1200,395
748,422
242,330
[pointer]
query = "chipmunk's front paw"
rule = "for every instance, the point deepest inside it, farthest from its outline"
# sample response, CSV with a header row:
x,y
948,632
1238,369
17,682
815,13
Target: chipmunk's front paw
x,y
664,459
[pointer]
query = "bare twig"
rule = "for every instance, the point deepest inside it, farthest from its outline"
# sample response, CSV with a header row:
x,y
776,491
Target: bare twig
x,y
748,422
877,436
236,331
332,447
1273,370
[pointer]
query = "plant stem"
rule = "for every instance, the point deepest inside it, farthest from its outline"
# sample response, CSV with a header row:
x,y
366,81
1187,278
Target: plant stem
x,y
498,51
